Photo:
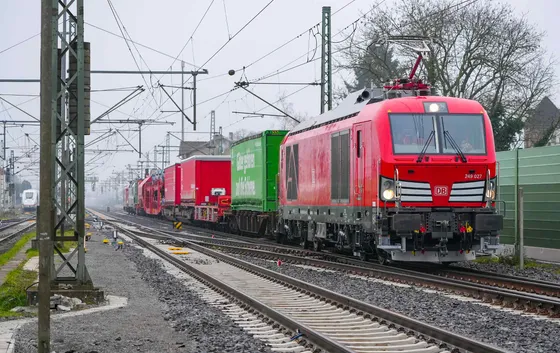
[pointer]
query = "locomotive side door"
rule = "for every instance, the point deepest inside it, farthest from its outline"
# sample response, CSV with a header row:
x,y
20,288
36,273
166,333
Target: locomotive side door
x,y
361,148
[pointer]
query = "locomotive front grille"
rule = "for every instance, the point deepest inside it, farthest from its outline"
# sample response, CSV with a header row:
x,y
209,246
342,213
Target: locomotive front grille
x,y
472,191
415,192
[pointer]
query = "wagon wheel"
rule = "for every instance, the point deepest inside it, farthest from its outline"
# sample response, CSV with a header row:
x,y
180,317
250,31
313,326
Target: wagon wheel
x,y
303,236
317,244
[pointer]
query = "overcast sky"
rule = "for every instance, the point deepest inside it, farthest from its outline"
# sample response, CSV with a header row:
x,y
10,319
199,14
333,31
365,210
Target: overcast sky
x,y
167,27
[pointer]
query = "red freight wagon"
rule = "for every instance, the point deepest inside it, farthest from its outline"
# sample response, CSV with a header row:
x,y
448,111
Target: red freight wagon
x,y
205,183
172,189
141,196
153,191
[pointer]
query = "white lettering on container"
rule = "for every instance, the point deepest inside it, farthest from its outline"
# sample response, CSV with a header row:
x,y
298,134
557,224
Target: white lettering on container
x,y
245,187
245,161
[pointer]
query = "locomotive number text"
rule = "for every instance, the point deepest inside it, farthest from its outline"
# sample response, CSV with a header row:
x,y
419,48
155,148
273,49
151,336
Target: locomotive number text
x,y
473,176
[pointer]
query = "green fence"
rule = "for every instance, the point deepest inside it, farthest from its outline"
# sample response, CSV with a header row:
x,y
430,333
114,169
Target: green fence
x,y
537,170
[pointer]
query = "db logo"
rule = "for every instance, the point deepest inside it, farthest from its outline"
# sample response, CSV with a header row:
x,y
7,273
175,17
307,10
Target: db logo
x,y
441,190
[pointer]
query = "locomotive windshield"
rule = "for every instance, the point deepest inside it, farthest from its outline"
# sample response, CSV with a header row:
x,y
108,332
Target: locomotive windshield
x,y
28,195
411,133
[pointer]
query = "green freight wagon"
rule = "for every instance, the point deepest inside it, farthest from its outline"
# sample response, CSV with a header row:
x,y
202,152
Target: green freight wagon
x,y
254,170
132,196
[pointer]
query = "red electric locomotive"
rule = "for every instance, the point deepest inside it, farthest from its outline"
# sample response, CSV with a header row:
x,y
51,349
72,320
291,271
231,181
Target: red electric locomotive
x,y
397,178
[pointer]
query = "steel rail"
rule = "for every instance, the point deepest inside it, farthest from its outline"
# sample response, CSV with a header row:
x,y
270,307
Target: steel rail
x,y
527,302
19,232
411,326
314,336
493,294
505,281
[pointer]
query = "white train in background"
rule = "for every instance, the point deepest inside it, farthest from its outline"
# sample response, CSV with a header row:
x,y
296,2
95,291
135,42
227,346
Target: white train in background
x,y
30,200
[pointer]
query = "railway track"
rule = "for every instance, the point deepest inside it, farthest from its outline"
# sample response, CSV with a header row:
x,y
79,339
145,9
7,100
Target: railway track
x,y
523,284
534,297
329,322
20,226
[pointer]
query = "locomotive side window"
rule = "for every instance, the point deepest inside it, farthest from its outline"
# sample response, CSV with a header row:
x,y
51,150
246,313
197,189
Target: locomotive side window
x,y
292,172
340,166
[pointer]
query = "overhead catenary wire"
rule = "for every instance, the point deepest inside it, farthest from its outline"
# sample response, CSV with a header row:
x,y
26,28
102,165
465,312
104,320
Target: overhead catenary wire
x,y
218,51
137,43
123,30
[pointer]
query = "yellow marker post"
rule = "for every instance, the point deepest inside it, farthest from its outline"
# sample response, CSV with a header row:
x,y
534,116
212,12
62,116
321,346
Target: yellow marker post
x,y
178,225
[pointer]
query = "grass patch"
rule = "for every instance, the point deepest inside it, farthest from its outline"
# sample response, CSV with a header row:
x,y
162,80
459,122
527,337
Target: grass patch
x,y
512,260
7,256
64,248
487,260
12,291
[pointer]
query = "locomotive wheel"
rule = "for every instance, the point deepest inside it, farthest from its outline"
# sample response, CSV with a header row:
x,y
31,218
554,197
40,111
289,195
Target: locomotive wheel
x,y
381,257
363,256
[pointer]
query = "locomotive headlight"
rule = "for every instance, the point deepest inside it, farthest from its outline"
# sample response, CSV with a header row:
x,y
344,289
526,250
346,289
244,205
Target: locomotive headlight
x,y
491,189
388,194
387,189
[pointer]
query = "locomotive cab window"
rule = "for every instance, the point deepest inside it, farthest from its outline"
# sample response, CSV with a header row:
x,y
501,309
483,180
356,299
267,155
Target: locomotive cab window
x,y
466,130
438,134
410,133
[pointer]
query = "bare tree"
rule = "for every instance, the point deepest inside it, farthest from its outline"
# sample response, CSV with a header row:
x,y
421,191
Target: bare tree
x,y
286,122
242,133
480,50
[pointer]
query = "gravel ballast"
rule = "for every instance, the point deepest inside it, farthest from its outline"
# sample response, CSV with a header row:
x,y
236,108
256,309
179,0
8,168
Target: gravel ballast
x,y
504,329
544,272
547,272
207,326
162,314
137,327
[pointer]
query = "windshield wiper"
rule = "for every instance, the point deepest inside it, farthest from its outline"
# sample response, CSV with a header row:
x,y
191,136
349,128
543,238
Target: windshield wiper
x,y
425,148
447,135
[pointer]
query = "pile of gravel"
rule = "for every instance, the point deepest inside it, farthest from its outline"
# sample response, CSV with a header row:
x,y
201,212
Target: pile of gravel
x,y
545,272
207,327
511,331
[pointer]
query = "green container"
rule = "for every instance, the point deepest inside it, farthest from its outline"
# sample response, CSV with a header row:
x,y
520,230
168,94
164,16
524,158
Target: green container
x,y
254,166
134,190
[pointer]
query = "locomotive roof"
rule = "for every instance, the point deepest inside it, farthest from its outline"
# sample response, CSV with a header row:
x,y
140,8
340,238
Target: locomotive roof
x,y
348,107
208,158
352,105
